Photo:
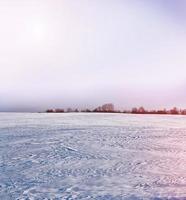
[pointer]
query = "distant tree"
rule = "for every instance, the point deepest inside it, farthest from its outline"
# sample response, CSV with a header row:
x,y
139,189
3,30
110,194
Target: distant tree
x,y
69,110
98,109
174,111
59,110
87,110
134,110
109,107
161,112
183,112
141,110
50,111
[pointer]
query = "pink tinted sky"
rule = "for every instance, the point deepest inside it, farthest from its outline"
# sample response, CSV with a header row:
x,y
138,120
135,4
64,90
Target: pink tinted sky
x,y
67,53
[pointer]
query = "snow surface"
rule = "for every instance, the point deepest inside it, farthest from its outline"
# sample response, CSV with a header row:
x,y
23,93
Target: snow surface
x,y
92,156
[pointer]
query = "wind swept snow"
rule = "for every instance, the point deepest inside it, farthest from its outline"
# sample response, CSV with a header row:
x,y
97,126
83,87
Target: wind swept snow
x,y
92,156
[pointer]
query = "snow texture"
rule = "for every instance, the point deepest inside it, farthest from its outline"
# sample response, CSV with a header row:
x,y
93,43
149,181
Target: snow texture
x,y
92,156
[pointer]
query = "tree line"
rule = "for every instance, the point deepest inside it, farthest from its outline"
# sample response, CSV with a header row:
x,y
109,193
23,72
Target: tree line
x,y
109,108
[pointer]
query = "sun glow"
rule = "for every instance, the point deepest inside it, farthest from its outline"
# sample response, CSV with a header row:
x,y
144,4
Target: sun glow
x,y
39,32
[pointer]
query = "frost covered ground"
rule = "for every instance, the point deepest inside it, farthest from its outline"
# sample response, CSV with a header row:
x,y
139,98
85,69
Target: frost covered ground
x,y
92,156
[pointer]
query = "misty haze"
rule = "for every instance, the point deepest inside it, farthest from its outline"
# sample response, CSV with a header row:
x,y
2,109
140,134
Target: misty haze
x,y
92,100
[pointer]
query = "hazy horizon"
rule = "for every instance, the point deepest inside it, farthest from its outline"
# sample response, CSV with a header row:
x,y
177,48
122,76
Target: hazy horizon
x,y
82,54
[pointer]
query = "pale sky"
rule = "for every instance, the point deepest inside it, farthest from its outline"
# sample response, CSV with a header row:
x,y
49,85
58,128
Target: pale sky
x,y
83,53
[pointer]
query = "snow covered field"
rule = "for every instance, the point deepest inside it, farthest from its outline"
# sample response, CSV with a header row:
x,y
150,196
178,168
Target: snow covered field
x,y
92,156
